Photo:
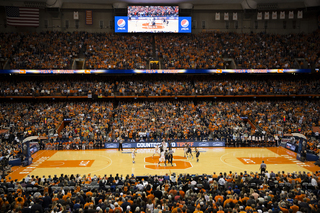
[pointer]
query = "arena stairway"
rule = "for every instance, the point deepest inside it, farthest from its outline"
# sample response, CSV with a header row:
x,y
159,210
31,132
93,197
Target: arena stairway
x,y
253,124
78,64
250,120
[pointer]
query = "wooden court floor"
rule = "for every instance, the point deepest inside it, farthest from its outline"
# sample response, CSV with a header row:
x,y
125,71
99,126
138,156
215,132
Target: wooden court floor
x,y
101,162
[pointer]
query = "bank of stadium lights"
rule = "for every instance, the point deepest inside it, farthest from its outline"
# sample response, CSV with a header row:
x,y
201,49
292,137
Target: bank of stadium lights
x,y
35,4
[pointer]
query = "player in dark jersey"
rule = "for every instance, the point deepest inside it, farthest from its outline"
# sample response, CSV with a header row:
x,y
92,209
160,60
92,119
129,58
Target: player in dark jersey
x,y
171,156
167,157
189,151
197,153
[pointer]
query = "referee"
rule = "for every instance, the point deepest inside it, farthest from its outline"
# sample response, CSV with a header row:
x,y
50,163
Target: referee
x,y
120,144
263,167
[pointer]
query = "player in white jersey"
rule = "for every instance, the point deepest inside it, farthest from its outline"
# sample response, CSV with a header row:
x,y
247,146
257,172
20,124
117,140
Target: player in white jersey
x,y
134,152
156,150
162,158
164,145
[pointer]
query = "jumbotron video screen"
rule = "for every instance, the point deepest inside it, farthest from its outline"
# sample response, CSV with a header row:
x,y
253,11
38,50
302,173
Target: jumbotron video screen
x,y
152,19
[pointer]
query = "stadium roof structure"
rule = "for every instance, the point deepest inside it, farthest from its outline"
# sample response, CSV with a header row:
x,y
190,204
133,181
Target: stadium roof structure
x,y
245,4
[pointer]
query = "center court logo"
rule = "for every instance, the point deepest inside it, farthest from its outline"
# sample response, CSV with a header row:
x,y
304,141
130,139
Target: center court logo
x,y
184,23
121,23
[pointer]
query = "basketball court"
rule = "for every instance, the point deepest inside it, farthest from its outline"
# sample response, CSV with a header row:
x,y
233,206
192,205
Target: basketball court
x,y
111,161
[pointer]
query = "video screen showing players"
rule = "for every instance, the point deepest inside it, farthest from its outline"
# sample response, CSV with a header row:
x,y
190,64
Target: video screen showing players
x,y
152,19
153,11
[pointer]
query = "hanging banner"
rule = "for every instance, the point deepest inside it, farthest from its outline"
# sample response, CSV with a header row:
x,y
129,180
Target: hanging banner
x,y
274,15
300,14
235,16
217,16
226,16
259,16
282,15
266,15
89,19
291,15
76,15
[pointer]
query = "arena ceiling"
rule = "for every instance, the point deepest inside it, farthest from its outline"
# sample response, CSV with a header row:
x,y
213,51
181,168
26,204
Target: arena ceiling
x,y
185,1
246,4
172,1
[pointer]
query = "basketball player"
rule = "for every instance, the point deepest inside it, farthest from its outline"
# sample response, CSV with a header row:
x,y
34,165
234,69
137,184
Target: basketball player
x,y
171,157
134,155
162,158
167,158
156,150
164,145
185,149
189,151
197,153
154,23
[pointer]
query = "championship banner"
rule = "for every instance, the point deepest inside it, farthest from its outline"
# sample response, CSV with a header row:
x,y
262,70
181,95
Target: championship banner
x,y
235,16
266,15
76,15
291,15
226,16
259,16
274,15
180,71
217,16
300,14
282,15
89,19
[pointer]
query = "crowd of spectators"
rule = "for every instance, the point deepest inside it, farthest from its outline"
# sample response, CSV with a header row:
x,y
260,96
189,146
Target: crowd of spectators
x,y
213,120
31,118
254,50
53,50
157,120
44,119
184,193
118,51
154,120
157,86
55,86
90,121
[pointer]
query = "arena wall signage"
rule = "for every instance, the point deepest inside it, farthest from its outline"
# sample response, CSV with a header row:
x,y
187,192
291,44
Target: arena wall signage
x,y
177,71
130,145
